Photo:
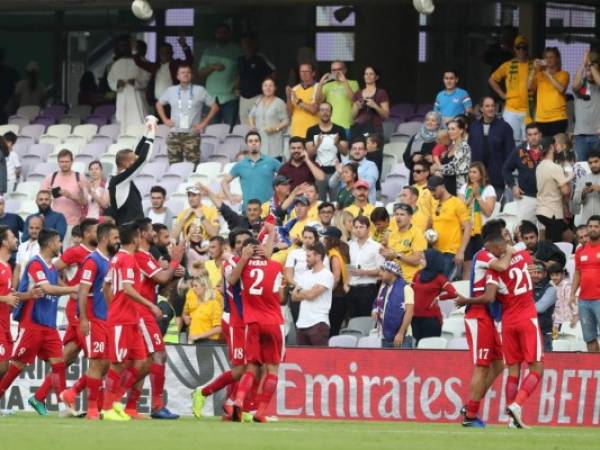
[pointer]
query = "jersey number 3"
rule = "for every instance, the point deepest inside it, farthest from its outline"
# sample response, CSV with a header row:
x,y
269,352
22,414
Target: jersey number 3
x,y
257,275
523,280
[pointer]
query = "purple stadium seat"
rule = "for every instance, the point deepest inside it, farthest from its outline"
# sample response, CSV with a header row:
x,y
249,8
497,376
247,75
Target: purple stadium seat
x,y
84,158
102,140
96,120
55,111
230,149
424,108
112,130
157,169
22,146
240,130
44,120
105,111
402,110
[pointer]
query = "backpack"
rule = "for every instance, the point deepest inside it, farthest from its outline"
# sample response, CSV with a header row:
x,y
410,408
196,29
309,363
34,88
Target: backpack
x,y
83,209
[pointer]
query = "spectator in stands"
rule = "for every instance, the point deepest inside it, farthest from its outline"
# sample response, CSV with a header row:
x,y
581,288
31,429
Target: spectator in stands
x,y
300,168
253,171
186,102
89,94
553,192
214,266
196,247
451,222
544,295
375,154
218,70
337,90
409,195
251,220
550,83
343,221
309,191
97,191
205,217
4,154
587,268
326,142
164,71
586,199
491,141
480,198
129,82
202,312
158,212
68,189
541,250
339,258
456,161
253,67
125,197
361,205
564,310
326,210
365,261
346,175
162,242
581,235
428,286
452,101
281,203
51,219
12,221
393,307
367,170
269,117
421,144
31,90
29,246
406,244
519,100
301,101
13,163
370,106
300,221
442,142
524,160
314,293
586,89
380,219
420,174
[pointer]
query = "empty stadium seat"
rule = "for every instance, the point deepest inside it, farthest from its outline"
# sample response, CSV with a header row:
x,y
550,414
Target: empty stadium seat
x,y
18,120
578,346
565,247
561,345
219,130
409,128
73,121
27,207
433,343
61,131
343,341
209,169
363,325
11,127
49,139
80,111
31,112
453,327
80,141
136,130
33,130
458,344
26,190
111,130
182,169
571,333
463,287
369,342
87,131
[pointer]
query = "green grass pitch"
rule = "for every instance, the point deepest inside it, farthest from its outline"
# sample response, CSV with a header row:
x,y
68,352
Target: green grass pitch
x,y
29,432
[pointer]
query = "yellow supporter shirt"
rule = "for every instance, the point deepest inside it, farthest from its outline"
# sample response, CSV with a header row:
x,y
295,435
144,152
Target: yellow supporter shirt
x,y
312,215
425,200
210,214
408,243
203,315
517,94
296,231
447,222
215,276
419,220
551,104
302,120
366,211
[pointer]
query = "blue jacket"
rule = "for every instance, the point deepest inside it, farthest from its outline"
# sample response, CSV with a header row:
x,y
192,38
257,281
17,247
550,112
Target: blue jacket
x,y
520,159
44,308
52,219
99,305
393,308
500,145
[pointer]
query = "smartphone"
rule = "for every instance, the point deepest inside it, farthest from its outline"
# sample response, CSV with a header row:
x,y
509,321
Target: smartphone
x,y
588,184
56,192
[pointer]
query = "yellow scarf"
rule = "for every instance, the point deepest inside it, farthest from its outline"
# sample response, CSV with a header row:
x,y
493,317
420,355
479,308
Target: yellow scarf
x,y
334,252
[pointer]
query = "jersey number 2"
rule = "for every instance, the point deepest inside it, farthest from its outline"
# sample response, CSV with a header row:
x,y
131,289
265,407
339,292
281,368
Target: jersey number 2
x,y
523,283
257,275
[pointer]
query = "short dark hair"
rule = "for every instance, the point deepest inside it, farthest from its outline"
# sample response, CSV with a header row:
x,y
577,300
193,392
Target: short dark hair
x,y
235,233
594,218
10,137
319,249
158,227
531,126
46,235
554,268
295,139
252,133
363,220
451,70
159,190
580,227
104,229
128,232
253,201
423,163
65,152
86,224
185,66
413,190
528,227
312,230
251,241
359,139
218,239
594,153
93,163
375,137
379,213
144,223
3,233
325,205
492,228
121,156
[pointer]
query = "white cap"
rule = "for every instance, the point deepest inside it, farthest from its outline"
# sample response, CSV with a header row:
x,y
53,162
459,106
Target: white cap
x,y
424,6
142,9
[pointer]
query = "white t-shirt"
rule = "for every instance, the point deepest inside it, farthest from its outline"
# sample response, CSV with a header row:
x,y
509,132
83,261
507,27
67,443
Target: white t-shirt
x,y
12,164
297,259
488,192
157,218
315,311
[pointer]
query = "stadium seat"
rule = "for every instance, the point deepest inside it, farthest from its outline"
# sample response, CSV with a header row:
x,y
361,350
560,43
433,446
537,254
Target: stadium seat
x,y
162,131
73,147
18,120
170,183
389,161
343,341
21,147
11,127
209,169
565,247
99,121
45,121
453,327
409,128
447,307
48,139
105,110
84,158
570,266
55,110
61,131
26,190
87,131
36,176
571,333
511,208
80,141
33,130
561,345
399,138
127,141
458,344
463,287
27,163
80,111
183,169
72,121
363,324
110,130
27,207
156,169
175,205
136,131
219,130
369,342
95,148
31,112
433,343
240,130
230,148
12,205
578,346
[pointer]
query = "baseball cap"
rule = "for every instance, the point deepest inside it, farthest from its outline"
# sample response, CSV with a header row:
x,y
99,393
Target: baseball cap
x,y
333,232
521,40
434,182
361,184
280,179
192,190
301,199
392,267
404,207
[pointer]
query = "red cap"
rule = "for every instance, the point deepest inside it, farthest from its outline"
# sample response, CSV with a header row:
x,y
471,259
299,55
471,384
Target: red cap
x,y
361,184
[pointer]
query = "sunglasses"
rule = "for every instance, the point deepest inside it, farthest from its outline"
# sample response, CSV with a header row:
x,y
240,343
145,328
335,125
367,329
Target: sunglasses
x,y
419,171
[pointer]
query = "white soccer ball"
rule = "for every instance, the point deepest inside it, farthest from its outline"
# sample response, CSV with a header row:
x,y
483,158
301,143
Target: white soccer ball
x,y
424,6
431,236
142,9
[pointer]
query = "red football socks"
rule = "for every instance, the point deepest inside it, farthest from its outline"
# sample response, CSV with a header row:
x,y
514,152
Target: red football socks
x,y
512,387
93,387
80,384
473,408
133,398
157,382
59,378
44,390
268,389
225,379
11,374
129,377
244,387
528,386
250,400
112,388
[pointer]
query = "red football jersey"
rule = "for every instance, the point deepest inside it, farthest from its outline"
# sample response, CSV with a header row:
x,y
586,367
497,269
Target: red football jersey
x,y
231,292
73,257
5,288
261,280
515,289
122,309
587,262
149,267
481,264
